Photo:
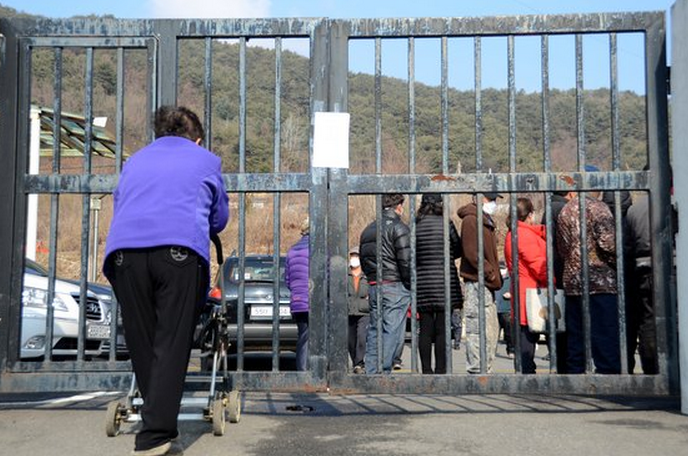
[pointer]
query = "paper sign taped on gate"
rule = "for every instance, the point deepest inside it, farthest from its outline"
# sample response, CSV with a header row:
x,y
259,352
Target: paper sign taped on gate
x,y
331,140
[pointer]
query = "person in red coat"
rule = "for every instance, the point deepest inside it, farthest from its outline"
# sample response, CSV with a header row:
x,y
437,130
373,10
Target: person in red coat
x,y
532,273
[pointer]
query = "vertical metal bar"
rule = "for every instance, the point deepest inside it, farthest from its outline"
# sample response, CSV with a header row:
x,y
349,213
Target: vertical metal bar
x,y
378,105
166,31
549,222
156,86
479,202
516,296
378,280
482,323
276,205
119,152
119,115
20,153
663,273
412,199
614,98
337,216
414,285
241,292
412,104
208,91
54,202
511,104
447,283
86,205
242,104
580,112
242,203
88,109
378,219
582,220
445,106
544,57
620,234
477,57
11,64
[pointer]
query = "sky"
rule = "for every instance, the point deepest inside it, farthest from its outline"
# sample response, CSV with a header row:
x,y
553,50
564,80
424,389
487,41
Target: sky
x,y
427,68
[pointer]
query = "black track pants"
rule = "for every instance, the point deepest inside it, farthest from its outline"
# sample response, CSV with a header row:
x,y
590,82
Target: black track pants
x,y
160,291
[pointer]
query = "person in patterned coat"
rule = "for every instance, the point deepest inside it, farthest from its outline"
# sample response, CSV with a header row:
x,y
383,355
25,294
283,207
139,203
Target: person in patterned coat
x,y
601,248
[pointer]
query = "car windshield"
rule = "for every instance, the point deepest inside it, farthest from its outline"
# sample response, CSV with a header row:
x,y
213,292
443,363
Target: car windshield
x,y
255,270
34,268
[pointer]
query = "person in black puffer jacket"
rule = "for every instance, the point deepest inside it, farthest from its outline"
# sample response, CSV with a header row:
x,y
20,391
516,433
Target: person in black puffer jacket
x,y
394,285
431,280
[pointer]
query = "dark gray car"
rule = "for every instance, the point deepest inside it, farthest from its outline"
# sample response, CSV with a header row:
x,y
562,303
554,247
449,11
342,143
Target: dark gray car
x,y
258,279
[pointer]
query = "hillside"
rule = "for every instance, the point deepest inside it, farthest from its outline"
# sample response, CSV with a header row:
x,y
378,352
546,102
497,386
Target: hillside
x,y
295,124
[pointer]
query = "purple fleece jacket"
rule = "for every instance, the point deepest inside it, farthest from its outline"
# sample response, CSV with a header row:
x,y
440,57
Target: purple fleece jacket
x,y
169,193
296,275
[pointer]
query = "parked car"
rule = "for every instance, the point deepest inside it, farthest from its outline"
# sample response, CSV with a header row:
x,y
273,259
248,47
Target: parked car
x,y
258,277
66,316
105,295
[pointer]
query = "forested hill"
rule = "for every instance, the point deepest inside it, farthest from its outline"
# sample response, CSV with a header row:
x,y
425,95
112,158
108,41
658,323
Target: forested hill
x,y
294,109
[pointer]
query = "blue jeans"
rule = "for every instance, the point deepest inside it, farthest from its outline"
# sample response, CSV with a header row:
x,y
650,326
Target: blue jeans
x,y
395,301
604,334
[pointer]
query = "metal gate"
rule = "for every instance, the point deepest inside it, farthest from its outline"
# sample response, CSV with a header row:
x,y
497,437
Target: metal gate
x,y
329,190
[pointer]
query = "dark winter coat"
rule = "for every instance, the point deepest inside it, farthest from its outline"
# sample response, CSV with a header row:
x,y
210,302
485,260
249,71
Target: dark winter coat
x,y
430,263
296,275
358,299
469,242
396,250
558,203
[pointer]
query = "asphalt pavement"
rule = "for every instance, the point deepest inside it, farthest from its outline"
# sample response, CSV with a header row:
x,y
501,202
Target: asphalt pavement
x,y
323,424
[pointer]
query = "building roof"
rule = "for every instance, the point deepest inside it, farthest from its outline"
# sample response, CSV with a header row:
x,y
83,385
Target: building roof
x,y
72,136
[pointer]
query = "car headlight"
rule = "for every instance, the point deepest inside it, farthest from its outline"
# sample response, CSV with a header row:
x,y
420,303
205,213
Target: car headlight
x,y
37,298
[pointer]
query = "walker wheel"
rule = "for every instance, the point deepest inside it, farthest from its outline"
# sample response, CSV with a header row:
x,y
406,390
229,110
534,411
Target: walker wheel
x,y
234,406
113,419
219,420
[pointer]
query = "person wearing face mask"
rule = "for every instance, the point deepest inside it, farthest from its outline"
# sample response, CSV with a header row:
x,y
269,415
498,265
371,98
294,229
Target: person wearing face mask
x,y
359,311
532,273
469,272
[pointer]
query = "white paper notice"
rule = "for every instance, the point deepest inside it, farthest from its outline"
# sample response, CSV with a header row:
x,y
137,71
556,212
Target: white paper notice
x,y
331,140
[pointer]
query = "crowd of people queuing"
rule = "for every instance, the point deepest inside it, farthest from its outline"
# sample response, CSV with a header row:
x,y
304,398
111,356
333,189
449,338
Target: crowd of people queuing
x,y
489,300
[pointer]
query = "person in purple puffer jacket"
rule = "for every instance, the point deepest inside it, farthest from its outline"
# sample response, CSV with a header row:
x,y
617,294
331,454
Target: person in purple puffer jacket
x,y
169,200
296,277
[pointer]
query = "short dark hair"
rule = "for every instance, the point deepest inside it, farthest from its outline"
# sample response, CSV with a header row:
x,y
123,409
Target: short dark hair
x,y
177,121
392,200
524,207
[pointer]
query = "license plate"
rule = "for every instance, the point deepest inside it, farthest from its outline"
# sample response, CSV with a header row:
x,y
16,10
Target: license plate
x,y
98,332
265,312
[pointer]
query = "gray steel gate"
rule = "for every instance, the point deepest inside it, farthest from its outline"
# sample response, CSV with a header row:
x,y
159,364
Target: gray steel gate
x,y
329,190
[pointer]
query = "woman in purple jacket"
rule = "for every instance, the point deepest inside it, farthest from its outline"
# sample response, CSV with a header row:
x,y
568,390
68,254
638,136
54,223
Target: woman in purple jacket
x,y
169,200
296,277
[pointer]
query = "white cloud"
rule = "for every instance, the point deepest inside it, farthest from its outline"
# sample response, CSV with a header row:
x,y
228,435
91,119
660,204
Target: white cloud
x,y
209,9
